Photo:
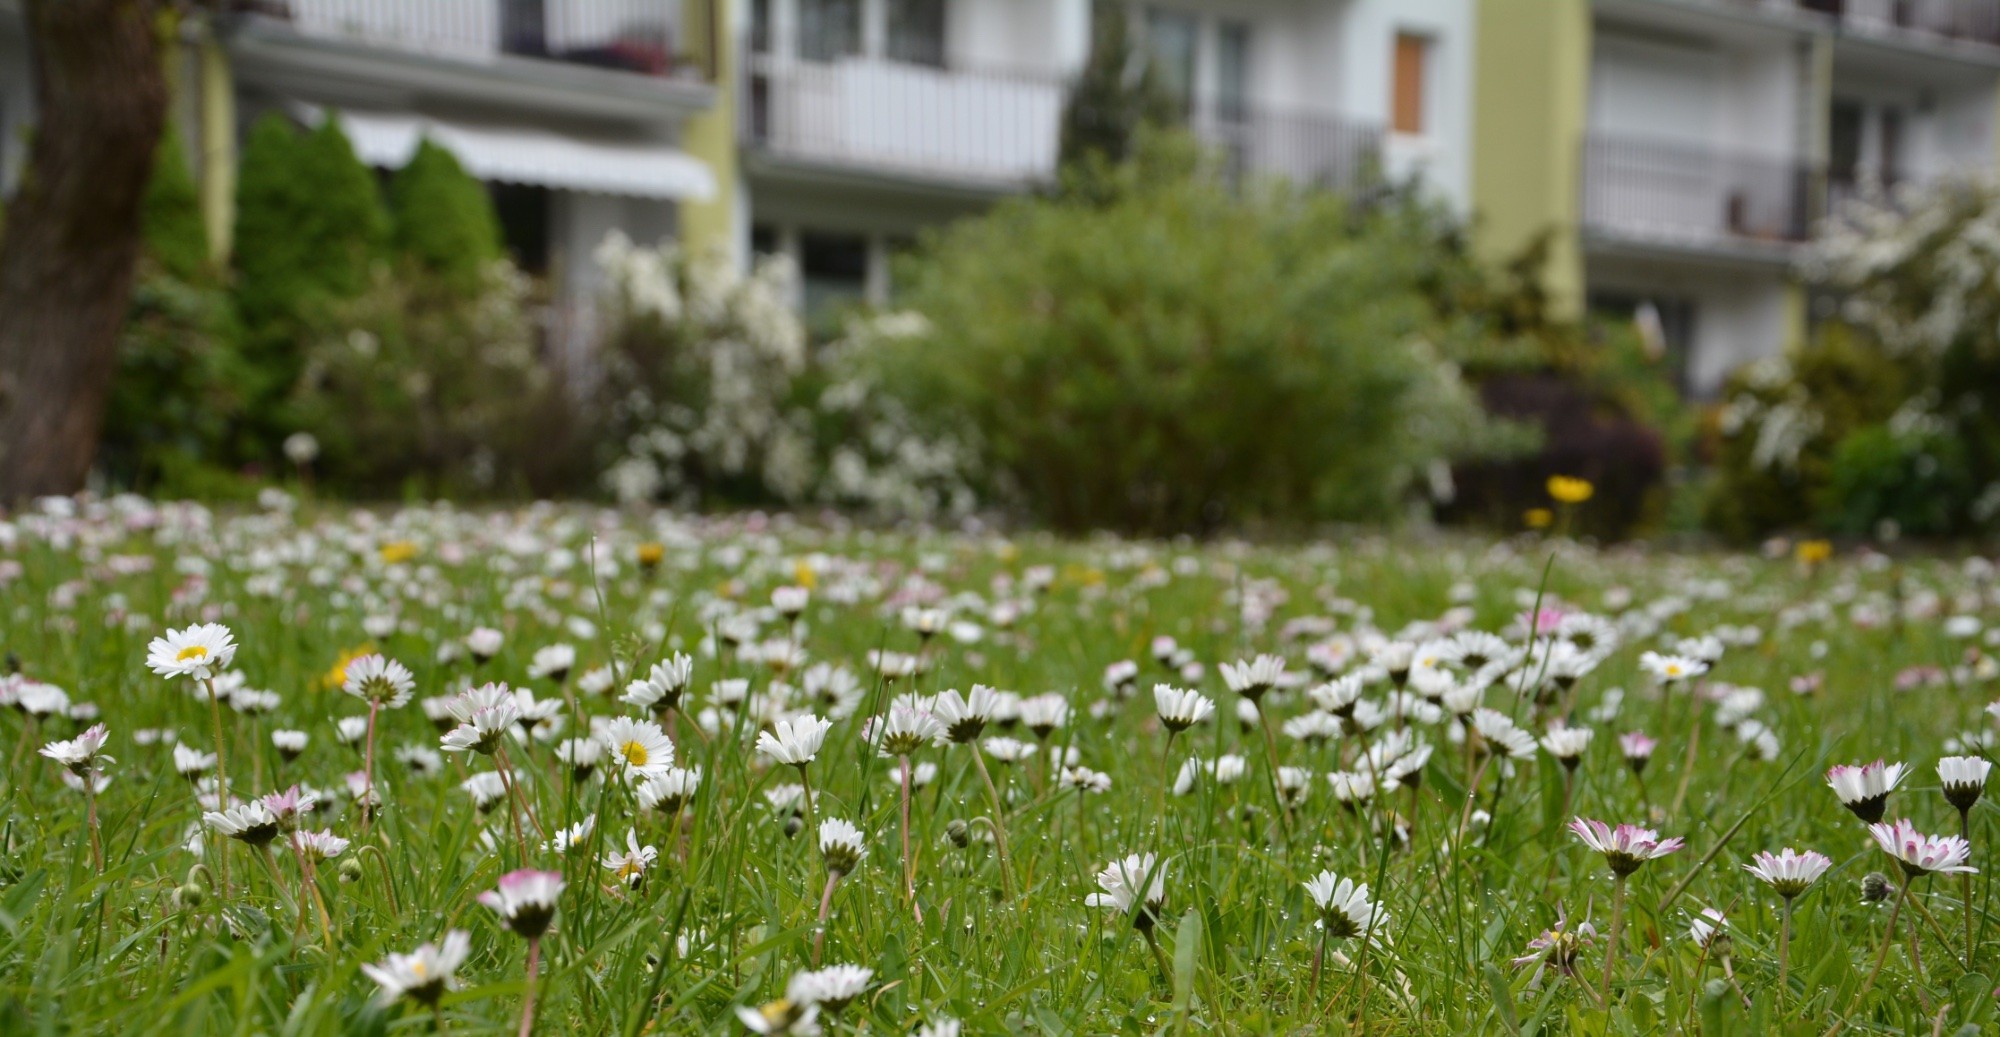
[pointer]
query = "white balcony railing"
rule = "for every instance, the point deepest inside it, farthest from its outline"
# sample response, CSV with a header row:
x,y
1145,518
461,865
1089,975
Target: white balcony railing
x,y
1675,193
1004,131
639,36
891,116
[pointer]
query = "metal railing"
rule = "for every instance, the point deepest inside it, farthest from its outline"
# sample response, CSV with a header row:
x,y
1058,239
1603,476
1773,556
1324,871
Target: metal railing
x,y
1688,194
1003,130
1976,21
1310,149
898,117
637,36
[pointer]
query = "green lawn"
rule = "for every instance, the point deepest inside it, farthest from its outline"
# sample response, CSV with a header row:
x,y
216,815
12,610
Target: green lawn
x,y
1862,657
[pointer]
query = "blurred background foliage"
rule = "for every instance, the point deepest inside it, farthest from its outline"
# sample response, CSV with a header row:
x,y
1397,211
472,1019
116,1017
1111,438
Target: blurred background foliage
x,y
1146,346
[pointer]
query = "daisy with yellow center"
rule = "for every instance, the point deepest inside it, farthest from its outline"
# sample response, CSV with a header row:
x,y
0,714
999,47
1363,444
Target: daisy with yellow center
x,y
200,651
638,748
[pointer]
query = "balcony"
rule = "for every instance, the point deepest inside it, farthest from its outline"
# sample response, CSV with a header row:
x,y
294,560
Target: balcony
x,y
866,116
1674,195
1915,21
615,58
640,36
1307,148
1971,26
994,132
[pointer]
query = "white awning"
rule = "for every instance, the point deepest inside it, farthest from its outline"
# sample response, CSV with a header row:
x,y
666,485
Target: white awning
x,y
526,156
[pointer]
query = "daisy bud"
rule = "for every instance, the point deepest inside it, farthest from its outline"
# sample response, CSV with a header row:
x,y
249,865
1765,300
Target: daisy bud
x,y
1567,744
525,900
350,871
1789,872
1964,779
1181,709
958,833
1638,749
1865,789
1876,887
842,846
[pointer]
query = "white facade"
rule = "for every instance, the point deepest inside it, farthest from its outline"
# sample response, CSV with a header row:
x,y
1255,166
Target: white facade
x,y
573,107
1718,134
857,139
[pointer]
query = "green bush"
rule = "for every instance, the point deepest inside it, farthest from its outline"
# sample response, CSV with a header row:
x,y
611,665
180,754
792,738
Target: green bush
x,y
413,388
179,394
444,219
1781,422
1915,481
1164,355
309,227
171,217
180,388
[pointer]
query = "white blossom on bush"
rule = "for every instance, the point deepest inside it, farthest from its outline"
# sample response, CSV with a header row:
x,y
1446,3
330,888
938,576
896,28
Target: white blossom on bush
x,y
715,384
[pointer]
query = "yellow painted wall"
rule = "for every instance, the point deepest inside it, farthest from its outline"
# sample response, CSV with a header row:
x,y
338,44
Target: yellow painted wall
x,y
1532,79
711,136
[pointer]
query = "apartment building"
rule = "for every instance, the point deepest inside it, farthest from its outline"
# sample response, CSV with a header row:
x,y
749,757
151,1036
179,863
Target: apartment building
x,y
572,111
1681,152
1676,154
864,121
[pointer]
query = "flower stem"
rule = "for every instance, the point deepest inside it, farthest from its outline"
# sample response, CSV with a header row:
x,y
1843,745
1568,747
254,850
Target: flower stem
x,y
1159,958
528,1003
825,909
1611,945
999,822
90,799
221,778
1965,885
368,772
1271,758
909,862
1784,950
812,816
513,803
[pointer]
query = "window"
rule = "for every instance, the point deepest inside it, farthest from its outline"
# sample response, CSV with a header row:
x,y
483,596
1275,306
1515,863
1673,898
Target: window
x,y
1232,73
1406,115
523,214
916,32
760,26
1843,157
1889,168
524,27
833,269
1171,37
829,29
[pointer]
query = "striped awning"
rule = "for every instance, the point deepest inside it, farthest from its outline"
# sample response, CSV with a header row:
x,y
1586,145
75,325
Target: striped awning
x,y
520,155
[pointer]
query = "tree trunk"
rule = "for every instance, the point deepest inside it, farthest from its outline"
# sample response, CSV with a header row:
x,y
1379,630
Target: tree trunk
x,y
72,234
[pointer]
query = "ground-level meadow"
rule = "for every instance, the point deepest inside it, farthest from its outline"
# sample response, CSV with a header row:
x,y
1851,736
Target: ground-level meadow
x,y
308,769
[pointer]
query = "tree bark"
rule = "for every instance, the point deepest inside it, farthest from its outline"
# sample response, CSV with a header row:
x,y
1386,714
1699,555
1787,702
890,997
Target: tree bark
x,y
72,234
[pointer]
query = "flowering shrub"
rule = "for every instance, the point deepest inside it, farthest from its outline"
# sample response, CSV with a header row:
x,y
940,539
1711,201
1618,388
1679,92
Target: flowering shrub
x,y
713,393
699,364
1898,428
1780,423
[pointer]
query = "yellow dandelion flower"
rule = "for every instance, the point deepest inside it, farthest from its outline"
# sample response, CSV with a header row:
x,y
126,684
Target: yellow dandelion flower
x,y
1567,489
